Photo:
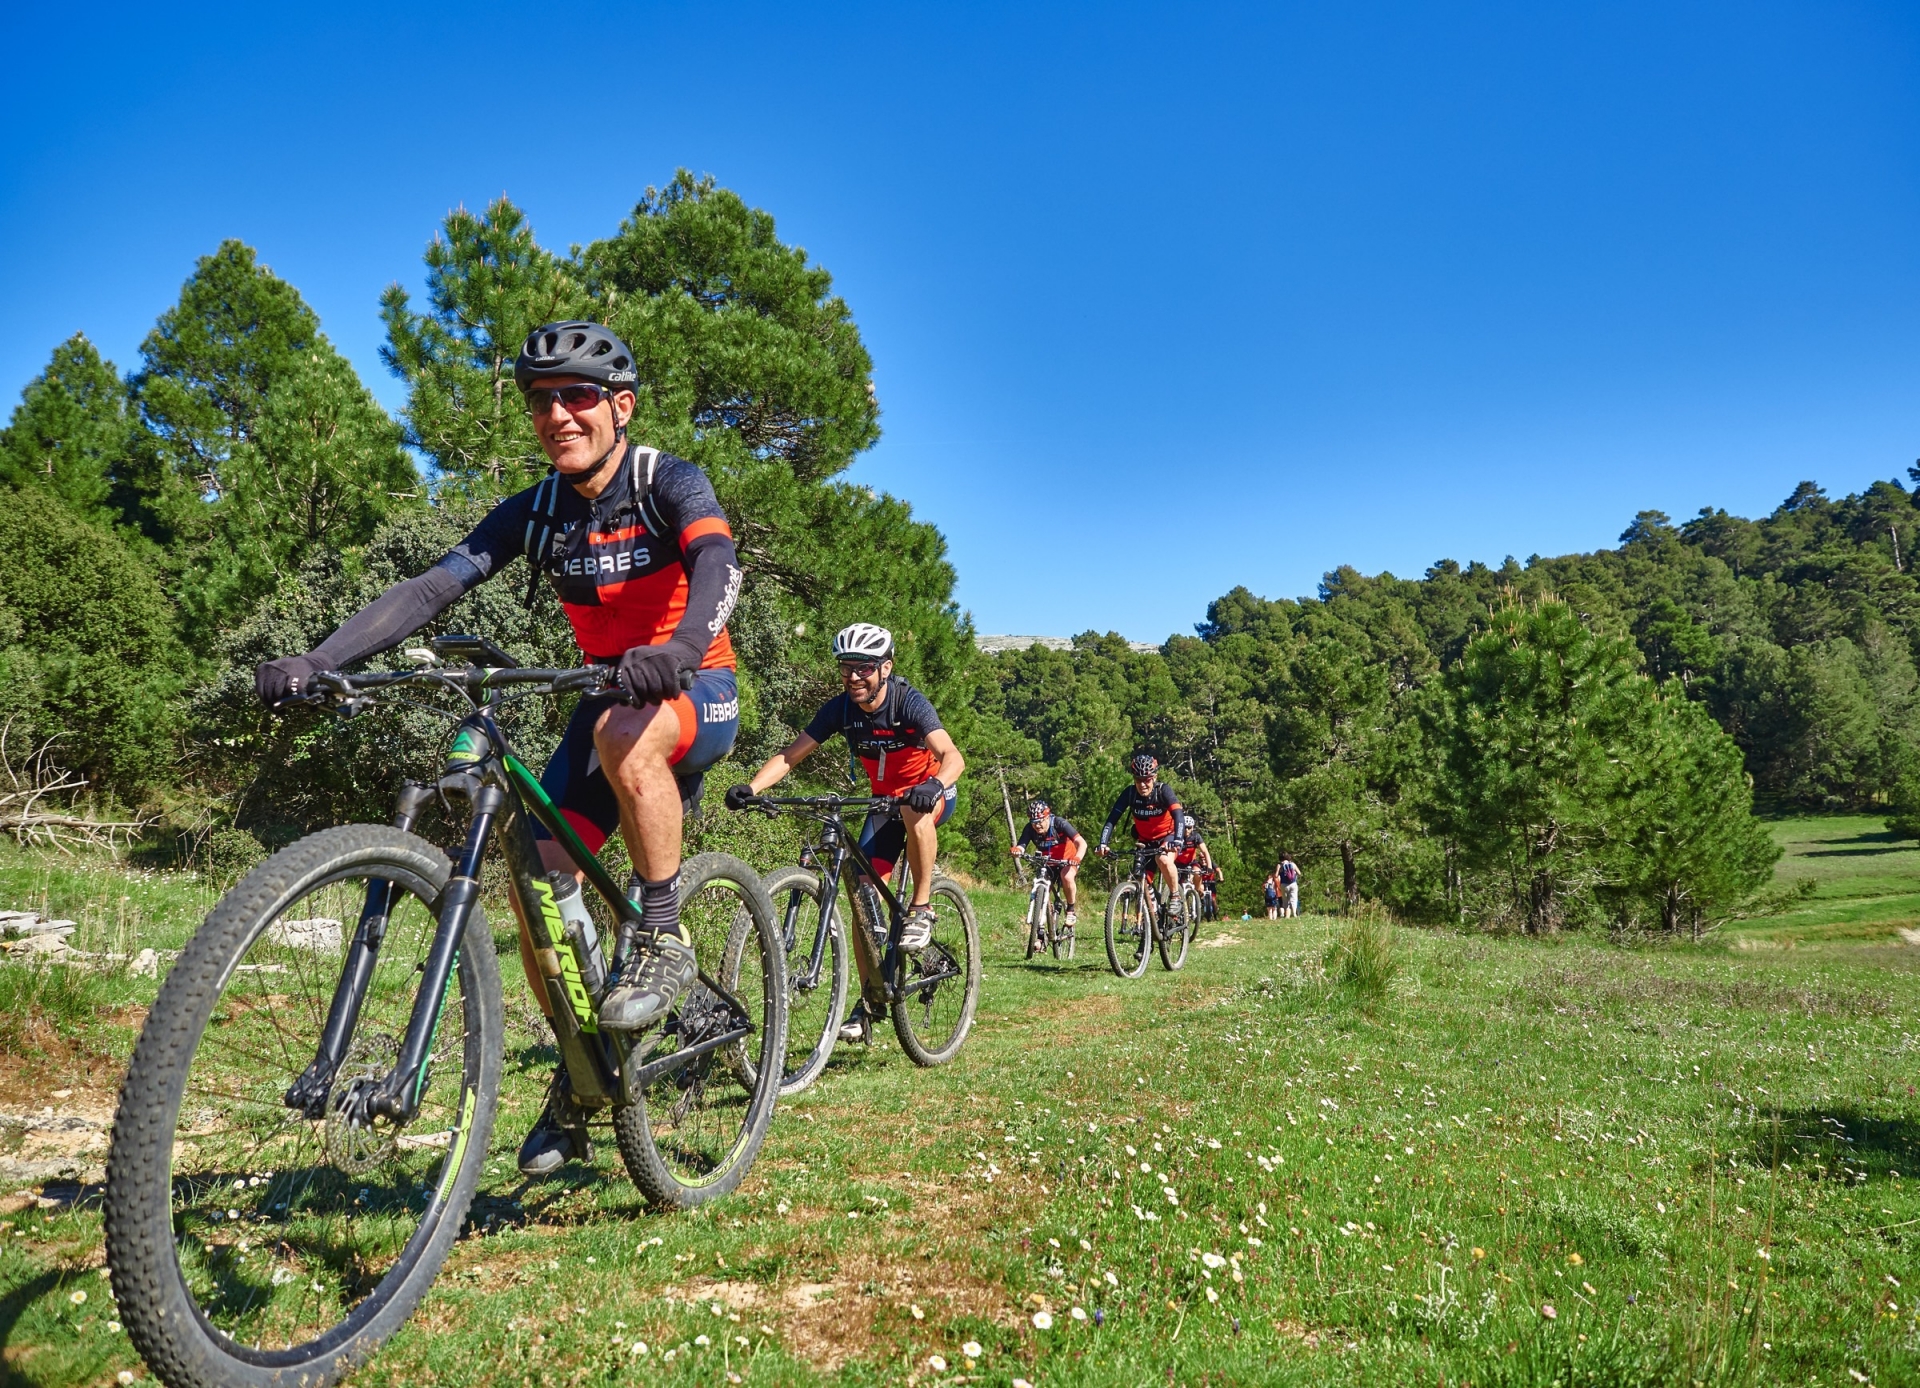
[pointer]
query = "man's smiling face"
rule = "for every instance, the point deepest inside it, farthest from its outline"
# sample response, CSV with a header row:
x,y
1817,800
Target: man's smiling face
x,y
576,438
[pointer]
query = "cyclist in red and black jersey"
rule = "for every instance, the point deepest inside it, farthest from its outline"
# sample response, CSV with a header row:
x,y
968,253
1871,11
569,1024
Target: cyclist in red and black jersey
x,y
1156,823
1193,848
899,740
1059,840
642,559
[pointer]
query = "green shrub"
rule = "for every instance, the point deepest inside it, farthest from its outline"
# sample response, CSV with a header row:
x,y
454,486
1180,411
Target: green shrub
x,y
229,854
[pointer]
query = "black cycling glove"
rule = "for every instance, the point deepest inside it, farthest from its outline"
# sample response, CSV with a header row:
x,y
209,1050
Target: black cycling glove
x,y
651,674
738,796
926,796
290,677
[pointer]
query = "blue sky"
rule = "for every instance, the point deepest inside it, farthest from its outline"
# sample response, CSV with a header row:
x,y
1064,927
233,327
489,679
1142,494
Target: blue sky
x,y
1161,300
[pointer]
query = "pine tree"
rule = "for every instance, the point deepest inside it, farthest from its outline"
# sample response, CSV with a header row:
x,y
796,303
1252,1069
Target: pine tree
x,y
489,284
258,441
69,432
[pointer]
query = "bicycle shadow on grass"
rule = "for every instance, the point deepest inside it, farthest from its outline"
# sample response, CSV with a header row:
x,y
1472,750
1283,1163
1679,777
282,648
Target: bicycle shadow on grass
x,y
13,1305
1842,1142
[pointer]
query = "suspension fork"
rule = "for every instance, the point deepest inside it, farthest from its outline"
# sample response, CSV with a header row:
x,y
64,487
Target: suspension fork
x,y
397,1098
309,1093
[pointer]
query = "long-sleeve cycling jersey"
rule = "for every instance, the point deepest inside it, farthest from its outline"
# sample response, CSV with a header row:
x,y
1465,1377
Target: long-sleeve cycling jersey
x,y
1156,815
648,561
1055,842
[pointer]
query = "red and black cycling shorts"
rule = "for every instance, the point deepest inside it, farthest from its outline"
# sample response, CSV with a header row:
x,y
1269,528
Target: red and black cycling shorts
x,y
884,834
709,717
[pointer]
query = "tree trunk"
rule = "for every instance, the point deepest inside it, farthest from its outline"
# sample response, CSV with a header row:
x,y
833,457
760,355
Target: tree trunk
x,y
1349,873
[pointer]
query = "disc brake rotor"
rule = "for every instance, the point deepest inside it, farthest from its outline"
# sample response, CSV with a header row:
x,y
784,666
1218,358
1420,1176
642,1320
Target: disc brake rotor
x,y
355,1147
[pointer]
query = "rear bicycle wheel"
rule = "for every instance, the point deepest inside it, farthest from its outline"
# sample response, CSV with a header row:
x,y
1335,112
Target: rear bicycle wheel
x,y
940,987
1127,930
816,997
691,1134
249,1243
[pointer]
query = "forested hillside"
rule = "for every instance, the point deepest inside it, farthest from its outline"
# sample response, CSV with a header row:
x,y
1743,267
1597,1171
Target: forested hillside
x,y
1565,741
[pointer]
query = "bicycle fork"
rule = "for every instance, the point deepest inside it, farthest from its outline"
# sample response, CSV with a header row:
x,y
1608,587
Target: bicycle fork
x,y
397,1096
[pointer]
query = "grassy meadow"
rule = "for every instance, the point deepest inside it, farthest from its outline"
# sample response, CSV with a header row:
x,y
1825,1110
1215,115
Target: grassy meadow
x,y
1521,1162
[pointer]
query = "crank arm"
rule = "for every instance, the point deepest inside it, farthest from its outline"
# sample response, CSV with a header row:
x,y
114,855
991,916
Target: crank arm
x,y
666,1065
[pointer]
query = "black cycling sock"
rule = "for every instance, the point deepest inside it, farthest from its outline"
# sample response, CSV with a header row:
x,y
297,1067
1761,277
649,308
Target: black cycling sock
x,y
660,906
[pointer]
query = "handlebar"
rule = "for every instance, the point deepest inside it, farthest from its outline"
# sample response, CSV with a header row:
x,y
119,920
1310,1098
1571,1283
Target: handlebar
x,y
822,804
339,688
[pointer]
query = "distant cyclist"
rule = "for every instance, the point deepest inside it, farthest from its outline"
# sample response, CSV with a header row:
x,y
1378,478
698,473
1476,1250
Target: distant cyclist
x,y
1052,835
1194,852
1156,816
906,751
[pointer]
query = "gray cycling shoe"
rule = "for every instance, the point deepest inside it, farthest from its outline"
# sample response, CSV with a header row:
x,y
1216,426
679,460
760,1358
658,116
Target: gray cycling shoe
x,y
658,973
916,931
561,1134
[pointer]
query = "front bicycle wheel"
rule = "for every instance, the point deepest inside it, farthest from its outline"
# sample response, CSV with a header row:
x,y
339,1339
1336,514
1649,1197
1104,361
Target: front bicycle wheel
x,y
816,994
1173,939
691,1134
940,987
1037,916
254,1243
1127,930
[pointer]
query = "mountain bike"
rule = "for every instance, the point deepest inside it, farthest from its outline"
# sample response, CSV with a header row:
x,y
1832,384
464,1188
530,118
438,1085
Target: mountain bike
x,y
932,992
1137,919
1208,881
310,1102
1045,907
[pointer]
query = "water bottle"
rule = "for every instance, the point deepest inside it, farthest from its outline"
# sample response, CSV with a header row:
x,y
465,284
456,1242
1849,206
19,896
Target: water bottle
x,y
581,933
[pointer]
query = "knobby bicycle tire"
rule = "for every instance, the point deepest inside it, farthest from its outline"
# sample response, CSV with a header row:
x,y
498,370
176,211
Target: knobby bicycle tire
x,y
1037,903
931,1024
694,1132
1127,930
814,1007
1173,938
235,1224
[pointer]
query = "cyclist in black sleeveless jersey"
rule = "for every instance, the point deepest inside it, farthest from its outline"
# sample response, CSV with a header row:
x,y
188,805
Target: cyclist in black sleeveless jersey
x,y
1156,824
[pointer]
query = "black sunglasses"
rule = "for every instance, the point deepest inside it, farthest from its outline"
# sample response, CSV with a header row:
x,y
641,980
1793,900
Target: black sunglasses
x,y
863,670
576,398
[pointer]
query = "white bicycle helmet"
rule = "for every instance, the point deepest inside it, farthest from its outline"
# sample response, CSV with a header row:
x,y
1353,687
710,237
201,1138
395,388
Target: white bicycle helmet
x,y
863,641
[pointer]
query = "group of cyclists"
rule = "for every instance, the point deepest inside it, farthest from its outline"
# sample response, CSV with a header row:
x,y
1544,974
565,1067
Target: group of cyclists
x,y
639,553
641,557
1160,824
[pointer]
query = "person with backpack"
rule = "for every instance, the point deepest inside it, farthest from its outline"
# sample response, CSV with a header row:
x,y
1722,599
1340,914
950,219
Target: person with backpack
x,y
637,549
1290,885
1272,889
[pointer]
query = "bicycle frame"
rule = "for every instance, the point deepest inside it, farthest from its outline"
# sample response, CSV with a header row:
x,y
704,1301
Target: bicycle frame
x,y
840,846
501,793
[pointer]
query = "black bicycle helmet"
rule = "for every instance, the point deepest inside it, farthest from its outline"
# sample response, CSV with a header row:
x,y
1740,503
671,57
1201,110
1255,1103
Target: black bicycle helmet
x,y
1143,764
575,348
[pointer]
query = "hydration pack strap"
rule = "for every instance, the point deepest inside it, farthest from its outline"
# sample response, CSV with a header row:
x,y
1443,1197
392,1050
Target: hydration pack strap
x,y
543,517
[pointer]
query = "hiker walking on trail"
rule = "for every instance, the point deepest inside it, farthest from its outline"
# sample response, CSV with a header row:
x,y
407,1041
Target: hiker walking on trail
x,y
1289,874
